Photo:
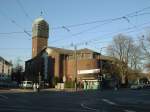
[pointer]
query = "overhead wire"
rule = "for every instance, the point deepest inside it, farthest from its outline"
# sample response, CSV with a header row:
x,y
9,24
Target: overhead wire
x,y
15,23
90,41
81,24
13,48
67,27
81,32
61,27
133,14
64,26
5,33
105,20
23,10
97,38
108,22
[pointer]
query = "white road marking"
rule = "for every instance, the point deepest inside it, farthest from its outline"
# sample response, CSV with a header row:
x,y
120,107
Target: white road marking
x,y
4,97
109,102
113,103
86,107
129,111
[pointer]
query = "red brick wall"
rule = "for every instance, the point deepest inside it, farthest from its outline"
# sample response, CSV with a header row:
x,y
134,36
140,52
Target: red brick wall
x,y
38,44
84,64
56,57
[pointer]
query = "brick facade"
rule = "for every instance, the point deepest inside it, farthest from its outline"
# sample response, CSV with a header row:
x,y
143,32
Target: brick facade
x,y
38,44
61,63
84,64
40,33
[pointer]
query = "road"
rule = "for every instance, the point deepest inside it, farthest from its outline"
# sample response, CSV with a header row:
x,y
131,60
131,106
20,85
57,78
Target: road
x,y
89,101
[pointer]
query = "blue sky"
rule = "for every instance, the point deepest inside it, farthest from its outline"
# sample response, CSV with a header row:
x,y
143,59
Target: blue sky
x,y
18,15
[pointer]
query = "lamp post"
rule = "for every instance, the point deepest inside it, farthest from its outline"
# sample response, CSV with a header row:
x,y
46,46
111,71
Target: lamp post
x,y
100,62
101,68
101,76
75,48
39,78
75,65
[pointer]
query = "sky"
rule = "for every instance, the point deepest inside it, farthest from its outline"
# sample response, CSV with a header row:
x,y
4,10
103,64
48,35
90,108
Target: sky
x,y
85,23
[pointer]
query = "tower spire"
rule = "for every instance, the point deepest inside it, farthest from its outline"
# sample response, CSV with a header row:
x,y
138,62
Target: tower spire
x,y
40,33
41,13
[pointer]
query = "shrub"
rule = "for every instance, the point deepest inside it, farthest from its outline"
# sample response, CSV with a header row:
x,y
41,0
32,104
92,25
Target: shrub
x,y
55,81
69,84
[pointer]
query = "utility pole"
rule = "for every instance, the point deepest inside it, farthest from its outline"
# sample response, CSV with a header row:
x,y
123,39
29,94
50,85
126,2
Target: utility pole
x,y
101,61
64,68
101,74
39,78
75,53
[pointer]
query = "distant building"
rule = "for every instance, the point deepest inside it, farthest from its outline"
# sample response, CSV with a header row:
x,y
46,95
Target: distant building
x,y
48,63
5,69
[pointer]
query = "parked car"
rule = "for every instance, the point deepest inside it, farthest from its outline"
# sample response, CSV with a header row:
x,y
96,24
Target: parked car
x,y
137,86
26,84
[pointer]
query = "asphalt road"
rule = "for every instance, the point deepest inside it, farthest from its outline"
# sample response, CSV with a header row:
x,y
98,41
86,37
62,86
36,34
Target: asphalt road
x,y
89,101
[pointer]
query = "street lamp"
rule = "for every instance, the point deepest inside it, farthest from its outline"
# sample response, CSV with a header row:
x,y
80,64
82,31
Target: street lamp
x,y
100,61
101,68
75,48
75,65
39,78
100,77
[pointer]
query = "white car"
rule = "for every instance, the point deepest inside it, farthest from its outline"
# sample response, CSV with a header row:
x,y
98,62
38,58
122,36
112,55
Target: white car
x,y
26,84
137,86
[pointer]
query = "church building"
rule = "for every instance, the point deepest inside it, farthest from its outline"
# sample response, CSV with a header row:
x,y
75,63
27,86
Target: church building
x,y
49,63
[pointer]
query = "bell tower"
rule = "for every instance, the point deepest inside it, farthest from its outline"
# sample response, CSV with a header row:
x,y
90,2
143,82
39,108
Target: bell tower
x,y
40,33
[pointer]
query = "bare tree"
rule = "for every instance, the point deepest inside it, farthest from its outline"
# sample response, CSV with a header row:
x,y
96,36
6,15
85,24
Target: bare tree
x,y
135,57
127,52
145,45
17,72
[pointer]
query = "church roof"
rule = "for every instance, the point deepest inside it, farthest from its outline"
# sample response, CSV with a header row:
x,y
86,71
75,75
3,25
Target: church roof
x,y
67,51
61,50
85,50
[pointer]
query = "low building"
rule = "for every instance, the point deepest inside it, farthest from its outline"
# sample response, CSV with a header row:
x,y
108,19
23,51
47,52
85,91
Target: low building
x,y
5,69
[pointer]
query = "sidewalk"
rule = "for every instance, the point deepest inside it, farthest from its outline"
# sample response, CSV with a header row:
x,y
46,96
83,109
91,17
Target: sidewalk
x,y
15,90
19,90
